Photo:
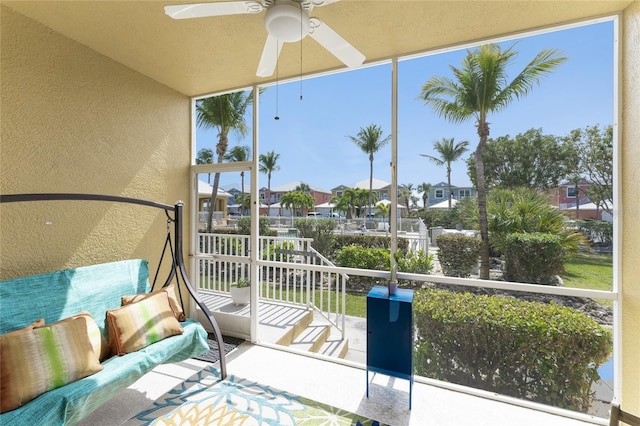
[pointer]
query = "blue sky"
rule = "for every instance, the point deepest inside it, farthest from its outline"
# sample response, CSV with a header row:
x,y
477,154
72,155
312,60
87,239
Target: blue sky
x,y
311,134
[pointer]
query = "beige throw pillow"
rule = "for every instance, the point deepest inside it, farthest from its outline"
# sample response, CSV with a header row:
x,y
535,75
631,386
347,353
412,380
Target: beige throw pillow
x,y
173,300
135,326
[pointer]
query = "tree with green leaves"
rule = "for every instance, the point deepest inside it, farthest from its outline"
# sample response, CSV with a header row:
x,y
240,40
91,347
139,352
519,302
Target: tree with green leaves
x,y
346,202
205,156
530,160
225,113
303,187
480,87
595,152
239,153
268,165
424,188
297,201
449,151
369,139
405,195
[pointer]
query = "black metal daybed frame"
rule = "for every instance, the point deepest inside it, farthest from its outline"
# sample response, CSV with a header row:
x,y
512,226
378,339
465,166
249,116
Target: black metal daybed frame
x,y
177,259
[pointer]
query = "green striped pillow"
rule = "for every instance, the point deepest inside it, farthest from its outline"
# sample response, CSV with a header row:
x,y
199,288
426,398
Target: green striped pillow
x,y
135,326
37,360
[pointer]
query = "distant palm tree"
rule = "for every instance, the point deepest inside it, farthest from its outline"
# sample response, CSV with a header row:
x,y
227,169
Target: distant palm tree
x,y
205,156
481,86
268,165
405,194
296,201
370,140
239,153
226,113
303,187
425,188
346,202
449,152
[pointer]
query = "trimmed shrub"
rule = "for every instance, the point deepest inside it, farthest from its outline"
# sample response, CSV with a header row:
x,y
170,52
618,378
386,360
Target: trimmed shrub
x,y
353,256
244,226
341,241
540,352
458,254
533,258
321,230
415,263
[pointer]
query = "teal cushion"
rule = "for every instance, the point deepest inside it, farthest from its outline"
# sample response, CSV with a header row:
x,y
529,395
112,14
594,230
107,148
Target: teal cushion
x,y
58,295
73,402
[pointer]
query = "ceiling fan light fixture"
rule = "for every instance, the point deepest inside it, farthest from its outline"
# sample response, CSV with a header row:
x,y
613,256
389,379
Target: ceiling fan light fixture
x,y
287,21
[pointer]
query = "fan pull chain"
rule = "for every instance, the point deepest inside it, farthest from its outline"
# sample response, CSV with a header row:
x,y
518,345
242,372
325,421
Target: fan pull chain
x,y
301,37
277,117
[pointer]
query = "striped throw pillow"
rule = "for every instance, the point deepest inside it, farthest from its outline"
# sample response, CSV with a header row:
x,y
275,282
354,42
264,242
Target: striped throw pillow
x,y
44,358
136,326
173,300
98,341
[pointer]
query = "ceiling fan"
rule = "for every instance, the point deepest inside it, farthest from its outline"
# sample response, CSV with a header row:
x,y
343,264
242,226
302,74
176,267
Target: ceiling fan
x,y
286,21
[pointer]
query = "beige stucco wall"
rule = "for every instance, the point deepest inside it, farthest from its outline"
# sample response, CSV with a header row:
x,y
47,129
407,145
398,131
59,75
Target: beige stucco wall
x,y
630,212
76,121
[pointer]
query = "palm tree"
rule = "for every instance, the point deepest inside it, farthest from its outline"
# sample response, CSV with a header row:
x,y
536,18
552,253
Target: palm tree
x,y
449,152
481,87
369,140
425,188
205,156
303,187
297,200
226,113
268,165
239,153
405,195
346,202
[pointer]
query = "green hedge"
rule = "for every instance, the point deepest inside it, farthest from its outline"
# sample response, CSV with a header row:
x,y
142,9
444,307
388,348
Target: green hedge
x,y
533,258
540,352
244,226
353,256
458,254
341,241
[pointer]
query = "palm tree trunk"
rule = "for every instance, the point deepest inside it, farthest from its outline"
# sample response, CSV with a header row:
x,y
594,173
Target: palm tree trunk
x,y
269,194
449,182
483,132
221,149
212,200
370,182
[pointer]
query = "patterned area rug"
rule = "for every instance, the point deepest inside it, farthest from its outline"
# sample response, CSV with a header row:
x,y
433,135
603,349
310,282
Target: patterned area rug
x,y
204,400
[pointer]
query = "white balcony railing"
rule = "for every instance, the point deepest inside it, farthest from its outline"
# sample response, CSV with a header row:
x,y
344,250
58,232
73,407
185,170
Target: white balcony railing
x,y
288,272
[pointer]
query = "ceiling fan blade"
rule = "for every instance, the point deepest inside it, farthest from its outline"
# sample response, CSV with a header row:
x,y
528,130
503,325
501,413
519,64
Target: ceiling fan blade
x,y
269,58
201,10
334,43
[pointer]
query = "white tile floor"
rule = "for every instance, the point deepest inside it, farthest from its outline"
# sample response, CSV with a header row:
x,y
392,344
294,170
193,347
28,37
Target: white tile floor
x,y
338,385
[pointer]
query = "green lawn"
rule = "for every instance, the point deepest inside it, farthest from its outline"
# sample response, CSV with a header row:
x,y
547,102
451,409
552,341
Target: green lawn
x,y
590,271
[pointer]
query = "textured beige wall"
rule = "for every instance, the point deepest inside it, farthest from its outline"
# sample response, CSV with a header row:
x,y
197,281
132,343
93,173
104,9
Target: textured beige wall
x,y
630,212
76,121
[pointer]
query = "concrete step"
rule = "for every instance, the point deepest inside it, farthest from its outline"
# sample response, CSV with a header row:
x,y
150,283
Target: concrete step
x,y
312,337
320,337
